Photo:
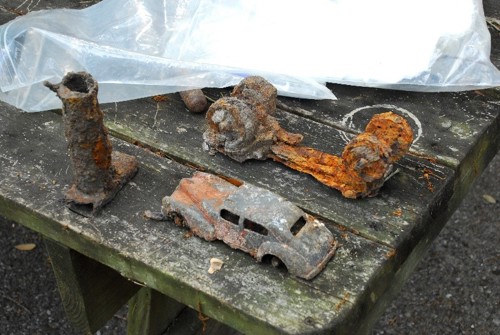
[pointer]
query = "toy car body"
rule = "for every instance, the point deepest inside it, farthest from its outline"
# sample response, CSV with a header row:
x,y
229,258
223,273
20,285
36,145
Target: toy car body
x,y
254,220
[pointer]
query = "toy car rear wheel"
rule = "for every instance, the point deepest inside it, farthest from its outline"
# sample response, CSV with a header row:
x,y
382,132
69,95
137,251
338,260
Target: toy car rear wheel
x,y
276,262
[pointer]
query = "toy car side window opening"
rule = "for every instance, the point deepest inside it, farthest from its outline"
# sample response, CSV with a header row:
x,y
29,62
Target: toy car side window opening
x,y
298,225
228,216
255,227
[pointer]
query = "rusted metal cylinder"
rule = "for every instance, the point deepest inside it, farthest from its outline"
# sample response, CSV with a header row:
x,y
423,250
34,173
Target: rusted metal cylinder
x,y
98,173
88,143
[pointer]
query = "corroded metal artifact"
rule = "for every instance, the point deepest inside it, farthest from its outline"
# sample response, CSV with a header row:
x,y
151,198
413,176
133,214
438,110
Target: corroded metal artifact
x,y
251,219
98,172
195,100
241,127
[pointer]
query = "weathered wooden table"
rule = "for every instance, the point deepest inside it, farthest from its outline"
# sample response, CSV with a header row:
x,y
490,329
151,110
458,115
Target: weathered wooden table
x,y
101,262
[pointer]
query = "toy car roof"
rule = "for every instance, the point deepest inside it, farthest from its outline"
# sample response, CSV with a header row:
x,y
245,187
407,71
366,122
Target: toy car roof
x,y
262,206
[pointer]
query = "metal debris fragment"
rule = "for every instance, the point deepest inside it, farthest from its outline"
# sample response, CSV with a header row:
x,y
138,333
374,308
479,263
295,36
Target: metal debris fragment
x,y
242,128
194,100
155,216
98,172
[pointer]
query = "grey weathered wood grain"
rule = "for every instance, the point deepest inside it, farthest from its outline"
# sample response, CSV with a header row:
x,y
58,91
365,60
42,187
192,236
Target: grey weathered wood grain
x,y
150,312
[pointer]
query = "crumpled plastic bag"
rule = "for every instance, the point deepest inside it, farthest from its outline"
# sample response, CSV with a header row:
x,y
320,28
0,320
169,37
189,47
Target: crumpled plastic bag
x,y
142,48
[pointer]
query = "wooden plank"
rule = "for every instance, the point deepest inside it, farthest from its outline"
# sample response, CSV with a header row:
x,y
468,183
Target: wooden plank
x,y
35,174
91,292
192,323
150,312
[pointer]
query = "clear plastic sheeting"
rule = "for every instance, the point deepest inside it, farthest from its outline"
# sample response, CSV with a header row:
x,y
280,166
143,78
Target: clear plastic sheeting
x,y
142,48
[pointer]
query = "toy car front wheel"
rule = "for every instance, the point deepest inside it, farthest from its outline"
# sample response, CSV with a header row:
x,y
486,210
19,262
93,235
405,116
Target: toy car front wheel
x,y
165,205
178,219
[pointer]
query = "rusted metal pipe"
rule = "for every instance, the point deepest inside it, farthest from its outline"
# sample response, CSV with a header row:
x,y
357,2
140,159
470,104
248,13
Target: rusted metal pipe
x,y
98,172
242,128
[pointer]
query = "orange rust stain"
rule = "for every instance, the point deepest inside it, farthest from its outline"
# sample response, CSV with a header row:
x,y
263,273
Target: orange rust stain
x,y
394,130
204,191
286,137
391,253
192,166
398,212
178,221
203,318
123,164
160,98
73,100
102,153
427,158
234,181
427,174
344,300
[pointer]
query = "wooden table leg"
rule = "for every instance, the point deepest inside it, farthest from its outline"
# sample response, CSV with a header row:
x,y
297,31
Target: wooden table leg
x,y
90,291
150,312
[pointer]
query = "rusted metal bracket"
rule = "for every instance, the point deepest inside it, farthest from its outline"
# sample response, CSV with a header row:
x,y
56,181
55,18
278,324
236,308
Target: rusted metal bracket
x,y
98,172
241,127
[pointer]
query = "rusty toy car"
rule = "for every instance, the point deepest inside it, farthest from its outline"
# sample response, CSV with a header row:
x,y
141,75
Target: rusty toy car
x,y
254,220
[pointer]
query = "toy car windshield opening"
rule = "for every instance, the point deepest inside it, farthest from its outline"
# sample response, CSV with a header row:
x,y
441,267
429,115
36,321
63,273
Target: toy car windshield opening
x,y
228,216
254,226
298,225
247,224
